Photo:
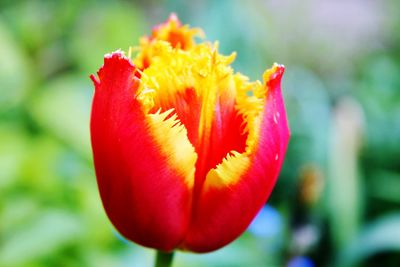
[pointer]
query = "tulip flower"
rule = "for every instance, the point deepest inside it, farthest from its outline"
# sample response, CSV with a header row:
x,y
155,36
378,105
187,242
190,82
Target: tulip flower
x,y
186,151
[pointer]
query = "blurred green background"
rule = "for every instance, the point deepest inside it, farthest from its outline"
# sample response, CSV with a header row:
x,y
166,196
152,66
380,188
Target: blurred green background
x,y
337,202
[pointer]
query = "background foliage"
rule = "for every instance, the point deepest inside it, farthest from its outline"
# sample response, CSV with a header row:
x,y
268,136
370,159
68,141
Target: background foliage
x,y
338,197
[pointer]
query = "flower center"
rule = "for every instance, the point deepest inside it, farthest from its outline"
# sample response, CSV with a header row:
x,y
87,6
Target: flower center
x,y
201,88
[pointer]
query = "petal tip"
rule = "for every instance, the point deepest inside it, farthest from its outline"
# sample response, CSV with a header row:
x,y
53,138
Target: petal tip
x,y
95,80
273,76
275,72
172,20
173,17
111,60
117,55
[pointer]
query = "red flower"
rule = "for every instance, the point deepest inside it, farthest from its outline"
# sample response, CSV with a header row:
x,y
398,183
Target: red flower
x,y
186,151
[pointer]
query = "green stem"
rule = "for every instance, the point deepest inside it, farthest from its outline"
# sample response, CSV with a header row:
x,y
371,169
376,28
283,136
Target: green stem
x,y
164,259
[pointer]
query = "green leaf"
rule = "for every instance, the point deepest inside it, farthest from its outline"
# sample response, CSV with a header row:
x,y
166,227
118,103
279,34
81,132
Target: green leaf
x,y
102,29
14,71
381,235
13,146
63,108
43,236
385,185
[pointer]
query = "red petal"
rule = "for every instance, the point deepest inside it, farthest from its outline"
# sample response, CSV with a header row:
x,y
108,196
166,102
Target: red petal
x,y
223,213
146,198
